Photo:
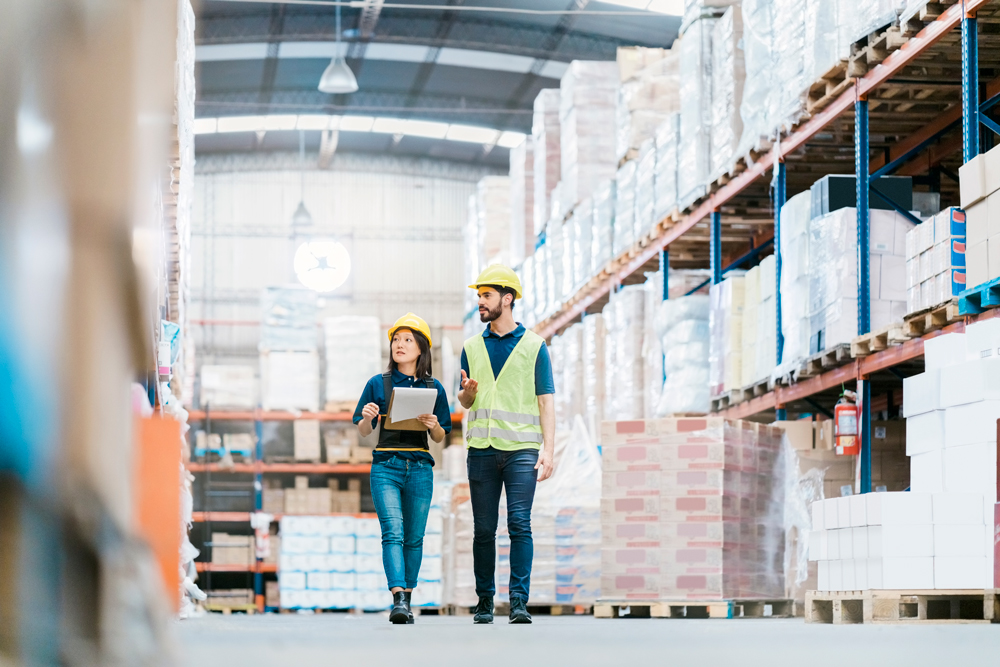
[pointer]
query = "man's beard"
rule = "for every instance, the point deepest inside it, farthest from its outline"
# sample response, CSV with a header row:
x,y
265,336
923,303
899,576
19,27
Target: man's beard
x,y
490,315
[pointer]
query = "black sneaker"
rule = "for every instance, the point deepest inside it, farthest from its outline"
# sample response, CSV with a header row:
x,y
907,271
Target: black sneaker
x,y
519,611
483,611
399,614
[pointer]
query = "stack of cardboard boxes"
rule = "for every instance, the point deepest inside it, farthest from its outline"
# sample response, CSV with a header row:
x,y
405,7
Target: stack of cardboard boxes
x,y
302,499
979,185
691,509
232,549
935,260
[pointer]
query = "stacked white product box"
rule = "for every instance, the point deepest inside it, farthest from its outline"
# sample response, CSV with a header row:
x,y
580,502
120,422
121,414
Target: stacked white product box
x,y
459,581
602,241
833,287
522,201
980,198
902,541
694,157
682,325
665,180
583,240
569,229
748,331
289,360
226,386
353,351
592,348
728,75
726,329
493,216
624,220
473,264
588,97
554,239
935,260
645,189
289,380
541,268
647,95
652,350
623,362
794,243
766,344
527,304
430,587
567,368
546,140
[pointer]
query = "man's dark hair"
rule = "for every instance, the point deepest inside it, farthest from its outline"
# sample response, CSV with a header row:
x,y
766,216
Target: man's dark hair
x,y
504,290
425,367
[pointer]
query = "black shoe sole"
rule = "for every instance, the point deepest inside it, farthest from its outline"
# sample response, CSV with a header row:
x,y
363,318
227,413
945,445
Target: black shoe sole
x,y
399,618
520,620
477,621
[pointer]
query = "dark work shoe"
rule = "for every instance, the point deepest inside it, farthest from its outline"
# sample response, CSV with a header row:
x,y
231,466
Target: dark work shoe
x,y
519,611
407,595
483,611
400,612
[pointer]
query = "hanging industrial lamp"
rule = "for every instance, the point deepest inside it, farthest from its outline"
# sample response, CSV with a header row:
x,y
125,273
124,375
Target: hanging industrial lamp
x,y
338,77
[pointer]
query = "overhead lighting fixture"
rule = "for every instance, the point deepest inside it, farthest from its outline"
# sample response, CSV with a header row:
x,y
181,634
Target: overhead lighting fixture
x,y
389,126
322,265
206,125
338,77
472,134
510,139
426,128
671,7
240,124
280,122
313,122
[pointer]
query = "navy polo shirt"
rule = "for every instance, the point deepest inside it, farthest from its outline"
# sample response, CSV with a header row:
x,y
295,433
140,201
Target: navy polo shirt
x,y
499,349
375,393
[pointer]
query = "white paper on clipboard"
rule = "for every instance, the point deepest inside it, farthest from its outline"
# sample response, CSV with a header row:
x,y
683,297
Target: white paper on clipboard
x,y
409,403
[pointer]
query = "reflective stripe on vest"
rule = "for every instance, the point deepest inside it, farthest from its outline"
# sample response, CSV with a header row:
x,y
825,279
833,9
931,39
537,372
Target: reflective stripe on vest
x,y
505,413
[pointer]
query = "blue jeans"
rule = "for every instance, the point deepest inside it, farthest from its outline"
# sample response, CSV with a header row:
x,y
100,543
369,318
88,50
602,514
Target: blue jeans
x,y
488,475
402,493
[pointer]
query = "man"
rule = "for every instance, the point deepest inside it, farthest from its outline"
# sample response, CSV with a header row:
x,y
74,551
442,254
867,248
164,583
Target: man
x,y
508,389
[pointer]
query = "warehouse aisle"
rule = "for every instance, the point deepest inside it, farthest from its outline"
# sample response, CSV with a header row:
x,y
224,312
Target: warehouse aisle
x,y
578,641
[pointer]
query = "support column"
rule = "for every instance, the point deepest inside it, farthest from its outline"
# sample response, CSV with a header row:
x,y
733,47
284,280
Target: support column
x,y
970,87
258,504
780,195
715,246
861,157
665,269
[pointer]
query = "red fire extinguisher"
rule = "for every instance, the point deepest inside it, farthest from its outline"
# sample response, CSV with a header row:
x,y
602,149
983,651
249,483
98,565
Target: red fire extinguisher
x,y
845,416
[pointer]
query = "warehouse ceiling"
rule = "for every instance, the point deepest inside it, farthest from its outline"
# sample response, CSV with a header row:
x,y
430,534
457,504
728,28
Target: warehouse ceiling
x,y
445,61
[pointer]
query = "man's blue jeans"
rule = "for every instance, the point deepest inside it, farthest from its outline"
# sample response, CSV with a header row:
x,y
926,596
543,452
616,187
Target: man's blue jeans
x,y
488,475
402,493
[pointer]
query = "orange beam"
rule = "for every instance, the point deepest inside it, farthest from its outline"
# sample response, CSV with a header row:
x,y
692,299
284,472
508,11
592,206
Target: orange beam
x,y
280,415
302,468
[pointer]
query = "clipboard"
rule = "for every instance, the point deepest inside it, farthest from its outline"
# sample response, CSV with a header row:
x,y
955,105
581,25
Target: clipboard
x,y
406,424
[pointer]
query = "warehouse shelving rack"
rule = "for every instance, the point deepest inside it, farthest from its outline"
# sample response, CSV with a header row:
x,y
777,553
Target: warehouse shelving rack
x,y
905,109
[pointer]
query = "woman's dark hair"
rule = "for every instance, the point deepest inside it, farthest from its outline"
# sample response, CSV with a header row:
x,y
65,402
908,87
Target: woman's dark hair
x,y
425,367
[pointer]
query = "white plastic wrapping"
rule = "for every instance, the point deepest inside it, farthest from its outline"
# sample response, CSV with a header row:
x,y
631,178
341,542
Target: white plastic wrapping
x,y
567,365
645,190
522,201
766,345
624,221
871,15
602,241
547,145
493,216
652,351
693,9
541,269
726,327
583,239
473,261
288,319
593,353
728,75
554,266
353,355
696,111
588,99
665,179
290,380
568,246
645,98
623,363
794,245
787,104
760,83
529,297
682,325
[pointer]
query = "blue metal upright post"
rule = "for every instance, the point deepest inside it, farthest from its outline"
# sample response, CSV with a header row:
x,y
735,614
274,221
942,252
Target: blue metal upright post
x,y
970,87
715,246
665,269
258,504
780,195
861,158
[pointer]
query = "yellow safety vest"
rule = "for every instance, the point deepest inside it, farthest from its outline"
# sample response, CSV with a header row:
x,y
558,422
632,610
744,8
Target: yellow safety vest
x,y
505,413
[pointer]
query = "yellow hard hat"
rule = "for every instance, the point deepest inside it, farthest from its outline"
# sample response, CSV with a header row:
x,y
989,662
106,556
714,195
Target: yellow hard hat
x,y
413,323
500,275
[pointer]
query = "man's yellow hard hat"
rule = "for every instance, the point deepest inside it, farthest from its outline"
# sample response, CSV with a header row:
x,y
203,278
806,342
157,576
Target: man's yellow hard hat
x,y
413,323
500,275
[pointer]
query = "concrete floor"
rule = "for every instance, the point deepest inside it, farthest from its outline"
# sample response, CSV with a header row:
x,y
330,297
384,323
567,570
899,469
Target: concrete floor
x,y
342,639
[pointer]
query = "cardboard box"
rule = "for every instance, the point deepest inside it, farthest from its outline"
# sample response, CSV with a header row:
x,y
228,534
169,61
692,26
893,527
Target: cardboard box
x,y
982,339
306,438
971,423
858,511
898,508
972,182
960,509
927,471
993,255
903,573
991,170
957,572
800,434
977,269
824,434
922,393
970,381
232,549
925,432
949,223
273,500
942,351
971,468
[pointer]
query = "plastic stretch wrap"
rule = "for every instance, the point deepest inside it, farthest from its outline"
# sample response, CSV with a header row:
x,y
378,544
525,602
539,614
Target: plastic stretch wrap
x,y
624,224
588,99
289,380
554,270
225,386
592,348
623,363
459,580
871,15
645,190
829,30
910,8
708,527
728,75
693,9
652,351
802,489
288,319
569,245
541,267
471,245
602,242
766,345
547,145
683,330
522,201
353,354
493,215
696,111
794,244
665,179
726,326
583,239
787,102
568,375
645,99
761,81
748,332
527,304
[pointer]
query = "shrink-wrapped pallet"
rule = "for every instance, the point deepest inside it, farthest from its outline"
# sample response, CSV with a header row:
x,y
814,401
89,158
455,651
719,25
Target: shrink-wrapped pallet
x,y
593,353
290,380
766,341
748,330
787,101
623,318
726,327
829,31
567,363
728,75
588,98
761,82
288,319
554,266
225,386
683,330
353,351
624,224
526,306
694,9
493,216
794,245
568,245
546,142
583,239
602,243
522,201
645,98
694,159
645,190
652,351
665,179
541,268
473,260
872,15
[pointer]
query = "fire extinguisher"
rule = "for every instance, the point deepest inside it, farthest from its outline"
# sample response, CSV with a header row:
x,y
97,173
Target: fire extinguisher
x,y
845,420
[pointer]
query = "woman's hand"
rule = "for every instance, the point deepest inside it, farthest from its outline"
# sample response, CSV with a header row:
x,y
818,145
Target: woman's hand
x,y
430,421
370,411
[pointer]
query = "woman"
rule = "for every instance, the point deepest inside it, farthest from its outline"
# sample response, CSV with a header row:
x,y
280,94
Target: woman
x,y
402,480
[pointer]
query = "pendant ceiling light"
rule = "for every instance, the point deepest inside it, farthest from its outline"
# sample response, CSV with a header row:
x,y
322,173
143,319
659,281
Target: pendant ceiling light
x,y
338,77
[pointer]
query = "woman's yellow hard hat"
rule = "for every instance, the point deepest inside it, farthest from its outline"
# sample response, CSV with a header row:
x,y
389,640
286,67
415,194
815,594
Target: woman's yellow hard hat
x,y
413,323
500,275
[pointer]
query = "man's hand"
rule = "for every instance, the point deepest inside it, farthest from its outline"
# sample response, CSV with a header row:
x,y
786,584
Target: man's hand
x,y
369,412
544,465
468,391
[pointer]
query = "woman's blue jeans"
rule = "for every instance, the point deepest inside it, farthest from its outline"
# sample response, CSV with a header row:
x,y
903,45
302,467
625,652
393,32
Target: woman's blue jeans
x,y
402,493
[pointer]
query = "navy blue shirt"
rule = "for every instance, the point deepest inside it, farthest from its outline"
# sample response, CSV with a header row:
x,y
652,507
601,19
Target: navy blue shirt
x,y
375,393
499,349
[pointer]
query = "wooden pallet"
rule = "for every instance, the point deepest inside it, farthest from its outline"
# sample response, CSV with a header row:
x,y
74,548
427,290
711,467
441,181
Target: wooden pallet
x,y
876,47
931,319
979,298
897,607
503,609
695,609
828,87
876,341
227,609
817,364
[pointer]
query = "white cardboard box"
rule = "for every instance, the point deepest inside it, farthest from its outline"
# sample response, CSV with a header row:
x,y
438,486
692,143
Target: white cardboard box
x,y
858,513
959,509
906,573
977,264
921,393
925,432
971,381
970,423
900,541
941,351
843,511
823,575
836,569
817,511
860,539
861,574
960,540
898,508
972,181
833,544
846,538
971,468
818,540
982,339
892,282
927,471
955,572
848,578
